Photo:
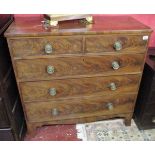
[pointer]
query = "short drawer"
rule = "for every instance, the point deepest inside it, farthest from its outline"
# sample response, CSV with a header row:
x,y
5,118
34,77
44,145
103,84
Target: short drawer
x,y
115,43
50,68
78,108
55,89
46,46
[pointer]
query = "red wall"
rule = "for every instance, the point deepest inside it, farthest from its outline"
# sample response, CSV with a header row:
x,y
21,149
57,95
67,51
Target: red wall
x,y
150,21
147,19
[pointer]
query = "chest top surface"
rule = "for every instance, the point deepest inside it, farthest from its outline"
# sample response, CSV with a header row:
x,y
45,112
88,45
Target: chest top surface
x,y
32,26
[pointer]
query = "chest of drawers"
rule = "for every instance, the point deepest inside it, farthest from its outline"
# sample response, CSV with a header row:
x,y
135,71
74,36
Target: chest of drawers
x,y
78,73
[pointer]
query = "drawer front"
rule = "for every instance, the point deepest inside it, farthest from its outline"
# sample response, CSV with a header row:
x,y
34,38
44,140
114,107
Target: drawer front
x,y
49,45
43,69
81,107
115,43
54,89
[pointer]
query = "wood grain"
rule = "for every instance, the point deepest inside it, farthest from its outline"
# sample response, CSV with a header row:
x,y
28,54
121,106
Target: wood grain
x,y
105,43
36,46
96,86
81,107
76,66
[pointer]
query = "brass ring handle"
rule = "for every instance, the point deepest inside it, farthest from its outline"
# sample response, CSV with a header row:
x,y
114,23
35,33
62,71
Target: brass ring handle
x,y
48,49
110,106
118,45
52,91
115,65
112,86
50,69
55,112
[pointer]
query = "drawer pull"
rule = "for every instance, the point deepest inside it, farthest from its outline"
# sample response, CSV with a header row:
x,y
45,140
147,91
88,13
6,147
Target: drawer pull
x,y
110,106
153,120
52,91
112,86
118,45
54,112
115,65
48,49
50,69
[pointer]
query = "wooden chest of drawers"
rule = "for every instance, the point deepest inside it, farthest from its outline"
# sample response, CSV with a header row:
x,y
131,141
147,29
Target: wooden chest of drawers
x,y
78,73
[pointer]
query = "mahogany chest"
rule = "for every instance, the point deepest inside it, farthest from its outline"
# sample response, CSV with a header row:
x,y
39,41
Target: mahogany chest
x,y
145,104
77,72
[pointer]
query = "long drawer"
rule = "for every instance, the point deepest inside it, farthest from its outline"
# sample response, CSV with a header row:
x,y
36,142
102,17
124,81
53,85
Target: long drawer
x,y
54,89
51,68
78,108
47,45
115,43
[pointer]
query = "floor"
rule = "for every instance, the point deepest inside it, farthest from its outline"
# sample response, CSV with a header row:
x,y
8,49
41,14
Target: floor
x,y
113,130
54,133
69,132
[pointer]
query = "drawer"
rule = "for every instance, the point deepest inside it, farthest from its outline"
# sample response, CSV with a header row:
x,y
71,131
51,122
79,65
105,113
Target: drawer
x,y
81,107
50,68
48,45
115,43
54,89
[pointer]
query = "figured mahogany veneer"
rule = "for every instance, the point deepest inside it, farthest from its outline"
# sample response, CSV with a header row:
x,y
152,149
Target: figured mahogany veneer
x,y
105,43
78,66
78,73
78,87
81,107
74,45
36,46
